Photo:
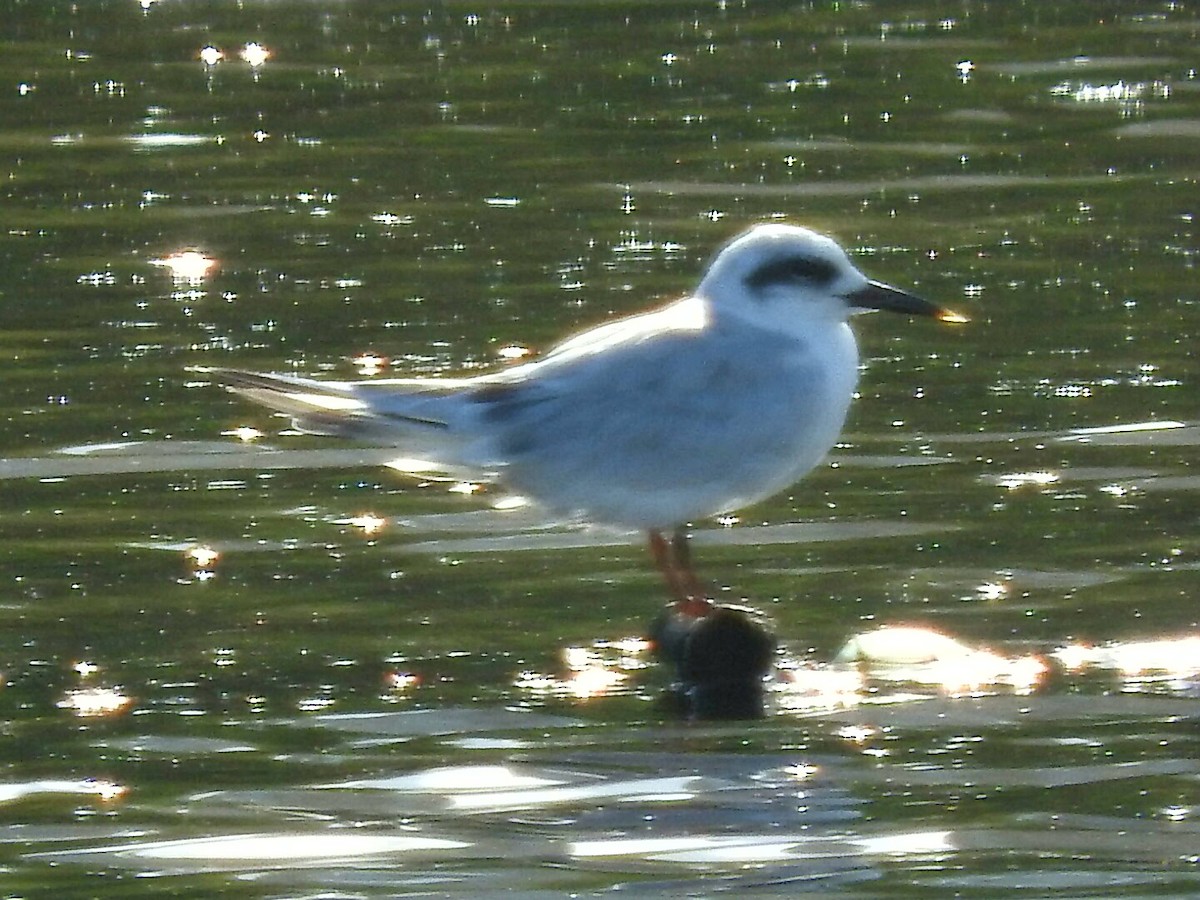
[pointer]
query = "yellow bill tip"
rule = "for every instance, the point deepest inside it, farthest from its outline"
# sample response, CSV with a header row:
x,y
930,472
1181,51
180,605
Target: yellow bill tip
x,y
952,317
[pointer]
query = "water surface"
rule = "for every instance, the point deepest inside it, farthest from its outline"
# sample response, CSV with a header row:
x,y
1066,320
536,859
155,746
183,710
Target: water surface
x,y
240,661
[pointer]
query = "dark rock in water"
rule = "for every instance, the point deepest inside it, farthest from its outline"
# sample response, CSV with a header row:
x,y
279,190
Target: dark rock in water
x,y
721,660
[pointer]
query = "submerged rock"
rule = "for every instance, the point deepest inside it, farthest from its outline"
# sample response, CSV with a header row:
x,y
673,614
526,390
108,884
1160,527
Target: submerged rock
x,y
721,660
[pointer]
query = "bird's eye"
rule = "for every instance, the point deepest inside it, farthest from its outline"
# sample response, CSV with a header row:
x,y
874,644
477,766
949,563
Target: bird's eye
x,y
790,270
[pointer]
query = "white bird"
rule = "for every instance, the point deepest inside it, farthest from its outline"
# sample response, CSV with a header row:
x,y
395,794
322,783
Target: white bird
x,y
698,408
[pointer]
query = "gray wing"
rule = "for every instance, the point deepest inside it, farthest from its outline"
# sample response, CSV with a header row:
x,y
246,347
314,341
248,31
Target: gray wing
x,y
636,413
628,407
453,416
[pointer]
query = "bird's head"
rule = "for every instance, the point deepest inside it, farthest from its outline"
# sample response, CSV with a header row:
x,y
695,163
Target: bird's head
x,y
792,275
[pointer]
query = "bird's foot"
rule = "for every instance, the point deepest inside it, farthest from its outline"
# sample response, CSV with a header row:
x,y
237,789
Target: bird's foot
x,y
693,607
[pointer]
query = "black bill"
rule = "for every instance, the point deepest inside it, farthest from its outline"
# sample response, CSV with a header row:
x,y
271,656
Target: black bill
x,y
881,296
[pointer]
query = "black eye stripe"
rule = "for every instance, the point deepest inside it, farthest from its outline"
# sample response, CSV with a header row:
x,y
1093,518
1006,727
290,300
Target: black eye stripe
x,y
790,270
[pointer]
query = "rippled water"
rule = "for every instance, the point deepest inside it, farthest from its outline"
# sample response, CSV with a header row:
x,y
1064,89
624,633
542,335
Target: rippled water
x,y
246,662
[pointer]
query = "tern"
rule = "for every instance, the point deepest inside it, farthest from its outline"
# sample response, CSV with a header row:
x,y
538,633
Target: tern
x,y
692,410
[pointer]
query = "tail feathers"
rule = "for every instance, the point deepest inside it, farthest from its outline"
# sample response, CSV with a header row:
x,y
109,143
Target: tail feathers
x,y
415,417
316,407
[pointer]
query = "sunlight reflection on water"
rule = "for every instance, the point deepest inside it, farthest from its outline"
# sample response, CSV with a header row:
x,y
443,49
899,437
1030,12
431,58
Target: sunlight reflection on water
x,y
1175,660
286,848
393,685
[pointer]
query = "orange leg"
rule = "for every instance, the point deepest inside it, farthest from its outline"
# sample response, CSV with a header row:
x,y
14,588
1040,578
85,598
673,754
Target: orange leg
x,y
674,559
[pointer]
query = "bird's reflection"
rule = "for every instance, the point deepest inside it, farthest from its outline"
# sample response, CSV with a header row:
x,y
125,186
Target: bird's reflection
x,y
1170,662
925,656
896,663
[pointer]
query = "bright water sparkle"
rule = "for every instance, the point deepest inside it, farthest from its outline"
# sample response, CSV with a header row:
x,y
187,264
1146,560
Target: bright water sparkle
x,y
253,663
